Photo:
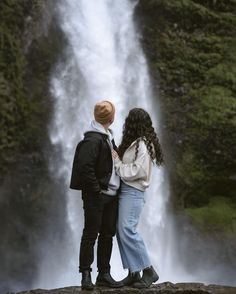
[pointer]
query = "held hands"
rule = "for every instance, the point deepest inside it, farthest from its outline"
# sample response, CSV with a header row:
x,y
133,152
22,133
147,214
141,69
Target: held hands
x,y
114,154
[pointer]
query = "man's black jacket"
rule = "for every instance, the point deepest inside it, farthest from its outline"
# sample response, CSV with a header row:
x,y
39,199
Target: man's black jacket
x,y
92,165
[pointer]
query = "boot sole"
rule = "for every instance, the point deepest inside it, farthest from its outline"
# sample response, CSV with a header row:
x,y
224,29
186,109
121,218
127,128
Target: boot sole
x,y
156,278
87,288
104,284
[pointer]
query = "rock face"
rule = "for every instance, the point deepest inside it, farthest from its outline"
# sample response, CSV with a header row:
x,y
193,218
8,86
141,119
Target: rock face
x,y
163,288
190,46
29,45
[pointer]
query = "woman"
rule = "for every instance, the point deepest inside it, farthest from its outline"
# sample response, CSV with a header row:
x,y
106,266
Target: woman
x,y
133,163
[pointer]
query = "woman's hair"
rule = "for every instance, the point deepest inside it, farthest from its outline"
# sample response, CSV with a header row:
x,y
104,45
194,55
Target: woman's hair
x,y
138,125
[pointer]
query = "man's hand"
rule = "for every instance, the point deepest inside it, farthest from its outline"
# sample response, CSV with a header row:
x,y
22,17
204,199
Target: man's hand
x,y
114,154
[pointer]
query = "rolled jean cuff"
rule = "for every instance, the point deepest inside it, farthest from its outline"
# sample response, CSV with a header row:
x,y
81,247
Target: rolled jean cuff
x,y
85,269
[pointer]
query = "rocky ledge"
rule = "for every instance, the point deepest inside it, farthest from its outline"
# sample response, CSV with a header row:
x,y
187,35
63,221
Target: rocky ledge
x,y
163,288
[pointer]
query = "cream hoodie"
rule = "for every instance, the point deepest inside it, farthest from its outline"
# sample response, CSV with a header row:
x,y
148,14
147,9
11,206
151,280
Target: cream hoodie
x,y
135,173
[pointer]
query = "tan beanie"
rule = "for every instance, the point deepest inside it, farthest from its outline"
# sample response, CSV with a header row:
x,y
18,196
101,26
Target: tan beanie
x,y
104,112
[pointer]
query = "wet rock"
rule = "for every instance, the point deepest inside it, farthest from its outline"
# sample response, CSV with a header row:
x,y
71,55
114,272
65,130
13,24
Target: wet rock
x,y
163,288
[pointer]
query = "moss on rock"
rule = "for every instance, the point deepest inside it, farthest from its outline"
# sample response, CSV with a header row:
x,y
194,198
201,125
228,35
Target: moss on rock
x,y
29,46
192,55
218,215
26,58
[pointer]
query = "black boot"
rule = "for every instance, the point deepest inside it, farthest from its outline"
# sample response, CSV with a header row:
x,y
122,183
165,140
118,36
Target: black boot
x,y
86,282
131,278
149,276
106,280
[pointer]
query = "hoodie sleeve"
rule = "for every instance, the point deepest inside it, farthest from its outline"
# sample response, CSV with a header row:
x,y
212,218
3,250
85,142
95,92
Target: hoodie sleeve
x,y
133,171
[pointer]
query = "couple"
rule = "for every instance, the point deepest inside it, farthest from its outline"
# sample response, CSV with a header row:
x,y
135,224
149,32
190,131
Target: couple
x,y
113,181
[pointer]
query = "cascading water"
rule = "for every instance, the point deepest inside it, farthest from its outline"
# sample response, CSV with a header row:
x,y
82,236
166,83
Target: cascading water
x,y
104,60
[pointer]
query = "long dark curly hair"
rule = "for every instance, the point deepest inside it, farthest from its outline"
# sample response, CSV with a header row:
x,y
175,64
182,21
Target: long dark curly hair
x,y
138,125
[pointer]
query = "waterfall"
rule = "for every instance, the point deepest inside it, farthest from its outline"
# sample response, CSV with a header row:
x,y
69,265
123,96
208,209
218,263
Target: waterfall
x,y
103,60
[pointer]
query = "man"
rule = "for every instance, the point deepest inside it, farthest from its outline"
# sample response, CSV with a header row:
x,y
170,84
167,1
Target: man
x,y
93,172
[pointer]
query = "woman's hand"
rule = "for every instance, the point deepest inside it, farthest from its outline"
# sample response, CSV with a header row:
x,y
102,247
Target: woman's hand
x,y
114,154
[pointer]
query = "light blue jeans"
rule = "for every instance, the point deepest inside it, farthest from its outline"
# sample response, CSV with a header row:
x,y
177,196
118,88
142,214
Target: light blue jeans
x,y
133,252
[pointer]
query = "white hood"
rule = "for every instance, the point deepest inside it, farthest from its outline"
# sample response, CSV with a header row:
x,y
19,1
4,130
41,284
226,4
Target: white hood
x,y
97,127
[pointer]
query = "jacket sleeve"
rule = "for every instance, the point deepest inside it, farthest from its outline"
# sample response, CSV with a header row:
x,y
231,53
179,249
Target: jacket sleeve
x,y
133,171
89,153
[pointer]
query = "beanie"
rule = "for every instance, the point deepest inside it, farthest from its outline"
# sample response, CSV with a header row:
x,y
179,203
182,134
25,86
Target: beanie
x,y
104,112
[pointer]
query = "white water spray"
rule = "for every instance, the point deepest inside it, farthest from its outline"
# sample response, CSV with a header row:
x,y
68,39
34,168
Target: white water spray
x,y
103,60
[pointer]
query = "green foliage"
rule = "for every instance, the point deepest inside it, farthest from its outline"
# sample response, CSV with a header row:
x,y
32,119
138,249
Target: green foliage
x,y
190,169
219,214
26,57
13,101
192,45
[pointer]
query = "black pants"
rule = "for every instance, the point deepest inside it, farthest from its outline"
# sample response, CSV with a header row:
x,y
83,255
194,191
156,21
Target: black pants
x,y
100,216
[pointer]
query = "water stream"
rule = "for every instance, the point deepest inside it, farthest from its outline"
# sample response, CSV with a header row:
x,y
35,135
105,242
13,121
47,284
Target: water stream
x,y
104,60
